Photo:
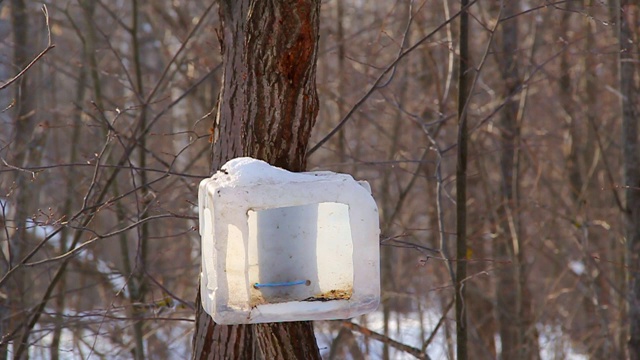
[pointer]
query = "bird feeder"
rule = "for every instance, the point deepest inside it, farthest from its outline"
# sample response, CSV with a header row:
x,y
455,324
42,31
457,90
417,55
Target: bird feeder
x,y
282,246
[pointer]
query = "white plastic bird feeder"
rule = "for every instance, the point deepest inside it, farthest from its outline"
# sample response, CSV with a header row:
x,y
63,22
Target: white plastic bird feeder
x,y
283,246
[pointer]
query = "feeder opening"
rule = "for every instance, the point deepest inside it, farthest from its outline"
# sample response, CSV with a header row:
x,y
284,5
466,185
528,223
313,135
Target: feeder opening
x,y
300,253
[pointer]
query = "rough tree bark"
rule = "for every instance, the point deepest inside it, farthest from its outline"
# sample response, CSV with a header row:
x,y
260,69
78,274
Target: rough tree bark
x,y
267,107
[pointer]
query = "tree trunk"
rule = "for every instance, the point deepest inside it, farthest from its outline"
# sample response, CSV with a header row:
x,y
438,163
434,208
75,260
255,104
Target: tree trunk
x,y
23,148
628,89
465,78
267,107
508,292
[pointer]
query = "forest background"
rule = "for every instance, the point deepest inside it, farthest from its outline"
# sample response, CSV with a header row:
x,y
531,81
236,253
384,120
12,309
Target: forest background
x,y
107,133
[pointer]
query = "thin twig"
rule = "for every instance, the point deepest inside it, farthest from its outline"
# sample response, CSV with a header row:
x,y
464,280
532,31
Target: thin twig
x,y
42,53
188,304
376,85
445,311
417,353
81,247
33,173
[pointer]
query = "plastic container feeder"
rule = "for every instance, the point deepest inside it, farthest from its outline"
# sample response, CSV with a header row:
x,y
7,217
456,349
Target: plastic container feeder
x,y
282,246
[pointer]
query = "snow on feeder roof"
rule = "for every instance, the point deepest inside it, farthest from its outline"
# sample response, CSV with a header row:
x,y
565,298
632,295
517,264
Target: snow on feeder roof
x,y
283,246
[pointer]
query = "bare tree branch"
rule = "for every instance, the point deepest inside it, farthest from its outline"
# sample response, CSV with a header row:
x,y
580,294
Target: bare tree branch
x,y
417,353
38,57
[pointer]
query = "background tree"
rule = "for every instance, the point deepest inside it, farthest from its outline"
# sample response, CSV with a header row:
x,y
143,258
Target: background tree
x,y
27,149
626,16
465,79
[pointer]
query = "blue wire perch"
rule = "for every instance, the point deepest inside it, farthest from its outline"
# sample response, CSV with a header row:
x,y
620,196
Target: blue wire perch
x,y
279,284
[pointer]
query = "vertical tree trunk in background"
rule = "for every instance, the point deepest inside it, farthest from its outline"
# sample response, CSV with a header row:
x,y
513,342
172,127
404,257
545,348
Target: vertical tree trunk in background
x,y
627,13
579,153
508,291
60,298
340,40
389,302
137,283
571,149
465,77
24,120
506,284
267,107
592,157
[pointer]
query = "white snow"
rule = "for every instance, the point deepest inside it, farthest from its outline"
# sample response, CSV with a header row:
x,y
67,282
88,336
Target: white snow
x,y
406,329
245,171
577,267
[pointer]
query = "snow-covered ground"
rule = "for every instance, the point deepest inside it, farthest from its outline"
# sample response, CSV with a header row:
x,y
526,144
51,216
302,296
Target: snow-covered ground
x,y
103,343
404,328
